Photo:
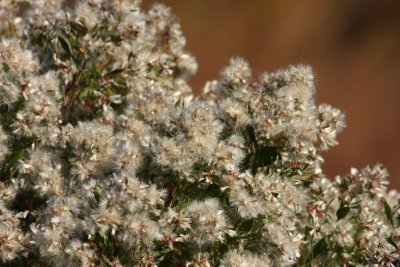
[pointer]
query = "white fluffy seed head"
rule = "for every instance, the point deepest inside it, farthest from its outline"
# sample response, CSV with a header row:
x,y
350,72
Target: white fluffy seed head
x,y
236,74
105,147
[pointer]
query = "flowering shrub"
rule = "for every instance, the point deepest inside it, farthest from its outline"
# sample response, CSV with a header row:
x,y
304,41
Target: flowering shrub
x,y
107,158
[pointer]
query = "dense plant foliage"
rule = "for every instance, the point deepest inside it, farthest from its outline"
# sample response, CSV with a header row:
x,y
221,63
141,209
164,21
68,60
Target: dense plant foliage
x,y
107,158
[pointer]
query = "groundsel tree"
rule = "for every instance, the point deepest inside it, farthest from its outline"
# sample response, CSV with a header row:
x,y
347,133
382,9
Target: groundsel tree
x,y
107,158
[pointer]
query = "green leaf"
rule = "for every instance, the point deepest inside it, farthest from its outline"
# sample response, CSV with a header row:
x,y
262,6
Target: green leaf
x,y
245,226
64,45
15,157
213,190
3,109
115,72
388,211
106,244
342,212
246,162
250,136
319,248
267,155
116,39
78,29
6,68
391,241
199,166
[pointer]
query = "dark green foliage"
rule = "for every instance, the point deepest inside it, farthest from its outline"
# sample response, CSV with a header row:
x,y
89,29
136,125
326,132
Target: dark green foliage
x,y
28,200
107,247
319,249
9,166
342,212
30,261
94,81
388,212
257,156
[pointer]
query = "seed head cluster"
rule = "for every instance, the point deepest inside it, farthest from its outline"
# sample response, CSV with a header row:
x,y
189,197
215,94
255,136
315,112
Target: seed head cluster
x,y
107,158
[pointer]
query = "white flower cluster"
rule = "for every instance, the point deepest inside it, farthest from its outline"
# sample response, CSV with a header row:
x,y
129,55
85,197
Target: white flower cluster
x,y
107,158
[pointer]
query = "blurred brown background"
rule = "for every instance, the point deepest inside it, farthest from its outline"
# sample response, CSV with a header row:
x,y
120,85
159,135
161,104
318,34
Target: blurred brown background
x,y
353,46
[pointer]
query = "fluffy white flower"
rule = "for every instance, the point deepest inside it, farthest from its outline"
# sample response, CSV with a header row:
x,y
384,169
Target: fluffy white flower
x,y
208,221
235,258
108,158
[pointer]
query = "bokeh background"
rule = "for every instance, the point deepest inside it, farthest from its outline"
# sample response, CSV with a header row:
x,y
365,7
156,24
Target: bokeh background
x,y
353,46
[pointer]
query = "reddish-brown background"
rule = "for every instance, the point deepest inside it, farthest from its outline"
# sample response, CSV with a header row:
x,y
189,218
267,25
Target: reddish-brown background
x,y
353,46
